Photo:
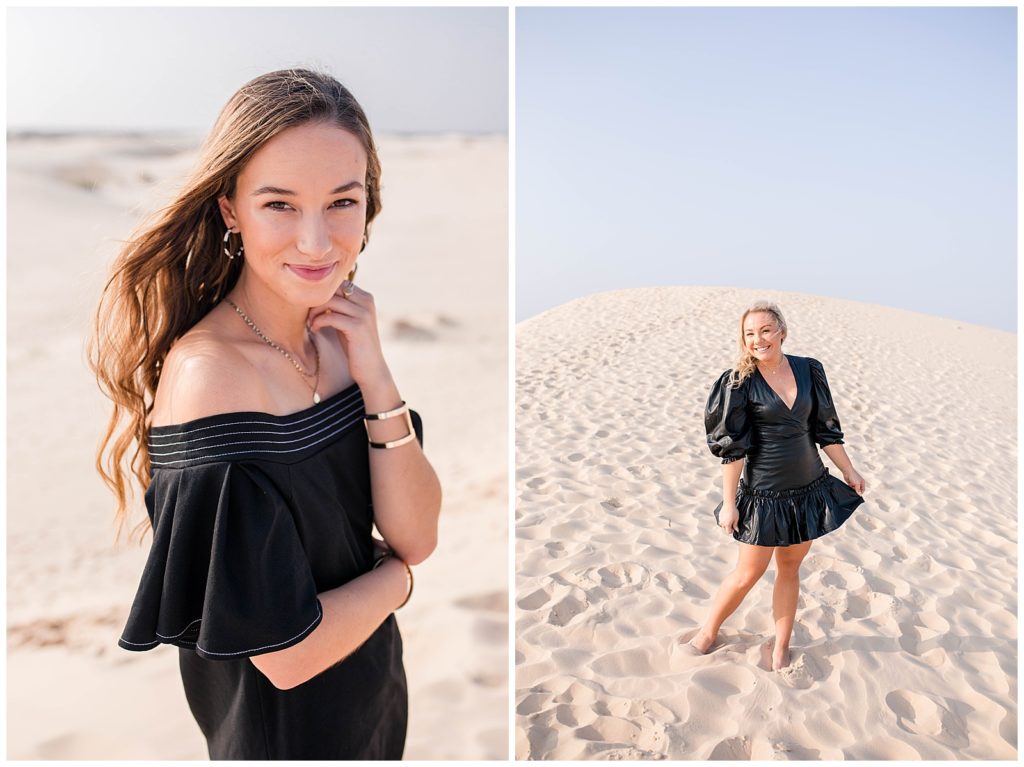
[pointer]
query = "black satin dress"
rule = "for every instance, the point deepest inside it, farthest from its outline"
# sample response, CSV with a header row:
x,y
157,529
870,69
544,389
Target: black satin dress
x,y
786,495
253,516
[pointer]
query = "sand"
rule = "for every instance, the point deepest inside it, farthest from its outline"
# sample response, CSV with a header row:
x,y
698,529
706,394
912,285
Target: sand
x,y
72,693
906,631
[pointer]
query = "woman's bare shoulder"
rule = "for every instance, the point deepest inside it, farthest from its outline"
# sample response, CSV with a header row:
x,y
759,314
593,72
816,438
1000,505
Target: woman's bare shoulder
x,y
205,373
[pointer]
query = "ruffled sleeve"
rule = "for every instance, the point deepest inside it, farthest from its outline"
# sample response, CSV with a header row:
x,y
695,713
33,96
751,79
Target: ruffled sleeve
x,y
825,421
726,421
227,573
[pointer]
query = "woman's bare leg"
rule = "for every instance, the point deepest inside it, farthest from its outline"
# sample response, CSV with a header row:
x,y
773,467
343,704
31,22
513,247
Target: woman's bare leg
x,y
784,598
751,563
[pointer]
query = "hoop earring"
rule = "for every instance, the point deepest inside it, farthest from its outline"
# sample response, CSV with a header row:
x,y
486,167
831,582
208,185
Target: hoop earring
x,y
365,241
228,253
352,274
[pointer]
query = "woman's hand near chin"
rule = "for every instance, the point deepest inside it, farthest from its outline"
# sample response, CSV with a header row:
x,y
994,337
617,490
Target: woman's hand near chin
x,y
355,319
406,493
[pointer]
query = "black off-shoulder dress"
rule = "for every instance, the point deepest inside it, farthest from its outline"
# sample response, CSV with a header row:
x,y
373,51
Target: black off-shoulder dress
x,y
254,515
786,495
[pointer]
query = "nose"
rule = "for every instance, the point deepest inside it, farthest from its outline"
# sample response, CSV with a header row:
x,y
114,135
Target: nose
x,y
314,240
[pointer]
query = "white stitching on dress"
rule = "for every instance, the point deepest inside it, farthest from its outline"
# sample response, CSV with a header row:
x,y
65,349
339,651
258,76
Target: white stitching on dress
x,y
264,423
252,452
242,442
180,632
319,614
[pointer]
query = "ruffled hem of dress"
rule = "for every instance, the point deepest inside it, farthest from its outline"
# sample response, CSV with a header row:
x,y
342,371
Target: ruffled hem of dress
x,y
788,517
191,636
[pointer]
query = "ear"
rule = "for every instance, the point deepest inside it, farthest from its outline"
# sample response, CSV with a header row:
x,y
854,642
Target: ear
x,y
227,212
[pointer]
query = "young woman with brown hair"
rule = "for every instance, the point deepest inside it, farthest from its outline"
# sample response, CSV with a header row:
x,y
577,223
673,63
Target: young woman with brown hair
x,y
243,363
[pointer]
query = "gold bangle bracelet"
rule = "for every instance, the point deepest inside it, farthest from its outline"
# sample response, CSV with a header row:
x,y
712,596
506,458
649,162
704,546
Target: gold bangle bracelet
x,y
408,571
409,437
394,443
385,415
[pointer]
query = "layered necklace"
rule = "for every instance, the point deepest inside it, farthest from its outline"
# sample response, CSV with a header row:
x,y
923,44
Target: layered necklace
x,y
315,375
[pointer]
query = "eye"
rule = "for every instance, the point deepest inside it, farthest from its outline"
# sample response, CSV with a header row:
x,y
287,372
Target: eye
x,y
346,203
275,203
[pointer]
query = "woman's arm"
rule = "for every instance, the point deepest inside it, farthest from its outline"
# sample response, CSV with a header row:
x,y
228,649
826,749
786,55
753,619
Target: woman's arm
x,y
837,454
406,492
730,480
352,613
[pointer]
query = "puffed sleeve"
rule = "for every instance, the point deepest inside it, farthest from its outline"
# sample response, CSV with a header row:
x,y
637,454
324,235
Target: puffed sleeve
x,y
827,430
725,420
227,573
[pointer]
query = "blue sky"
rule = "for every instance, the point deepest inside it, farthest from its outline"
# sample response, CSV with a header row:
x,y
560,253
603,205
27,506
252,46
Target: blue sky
x,y
861,153
412,69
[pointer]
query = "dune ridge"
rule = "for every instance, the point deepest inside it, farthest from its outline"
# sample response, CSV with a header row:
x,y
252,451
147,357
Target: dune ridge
x,y
905,638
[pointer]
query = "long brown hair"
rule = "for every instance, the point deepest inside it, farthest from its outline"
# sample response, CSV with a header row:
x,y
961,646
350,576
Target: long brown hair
x,y
173,271
745,363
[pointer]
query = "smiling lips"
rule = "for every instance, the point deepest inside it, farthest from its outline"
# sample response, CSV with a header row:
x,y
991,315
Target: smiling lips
x,y
313,273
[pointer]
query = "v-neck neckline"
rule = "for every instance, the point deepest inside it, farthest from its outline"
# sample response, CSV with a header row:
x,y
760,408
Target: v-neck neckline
x,y
789,408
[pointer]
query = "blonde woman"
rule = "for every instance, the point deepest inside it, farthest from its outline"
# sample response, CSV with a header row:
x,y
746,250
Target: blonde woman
x,y
764,418
253,404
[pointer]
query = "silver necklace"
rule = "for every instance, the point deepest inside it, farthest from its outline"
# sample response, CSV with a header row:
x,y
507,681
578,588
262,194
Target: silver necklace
x,y
315,374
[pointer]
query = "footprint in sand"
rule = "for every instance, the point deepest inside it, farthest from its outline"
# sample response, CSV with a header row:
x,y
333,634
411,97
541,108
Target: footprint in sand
x,y
731,749
642,471
804,669
535,600
623,574
926,715
555,549
566,609
870,523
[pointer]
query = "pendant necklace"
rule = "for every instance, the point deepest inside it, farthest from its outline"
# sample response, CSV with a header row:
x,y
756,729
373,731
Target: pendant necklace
x,y
314,375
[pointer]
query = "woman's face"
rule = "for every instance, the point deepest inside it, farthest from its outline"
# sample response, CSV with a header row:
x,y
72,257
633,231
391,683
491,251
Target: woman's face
x,y
762,336
300,206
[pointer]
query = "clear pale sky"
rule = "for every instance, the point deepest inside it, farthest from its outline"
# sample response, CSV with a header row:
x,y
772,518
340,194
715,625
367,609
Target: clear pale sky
x,y
412,69
860,153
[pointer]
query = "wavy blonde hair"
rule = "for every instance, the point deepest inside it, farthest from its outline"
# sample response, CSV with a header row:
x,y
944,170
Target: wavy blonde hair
x,y
745,363
173,271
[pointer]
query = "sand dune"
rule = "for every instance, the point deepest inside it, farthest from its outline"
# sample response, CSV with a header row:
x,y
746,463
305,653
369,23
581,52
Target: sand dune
x,y
72,693
905,640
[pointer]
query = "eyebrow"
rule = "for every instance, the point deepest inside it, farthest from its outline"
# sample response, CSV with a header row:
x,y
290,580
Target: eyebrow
x,y
278,190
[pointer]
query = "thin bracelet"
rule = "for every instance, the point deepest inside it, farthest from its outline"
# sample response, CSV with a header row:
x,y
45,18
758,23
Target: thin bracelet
x,y
408,571
385,415
409,437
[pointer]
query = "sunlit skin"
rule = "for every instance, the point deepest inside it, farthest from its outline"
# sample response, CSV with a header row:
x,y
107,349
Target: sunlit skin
x,y
299,206
763,339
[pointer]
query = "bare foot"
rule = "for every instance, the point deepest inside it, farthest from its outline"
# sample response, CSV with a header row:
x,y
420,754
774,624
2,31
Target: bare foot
x,y
780,658
701,642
